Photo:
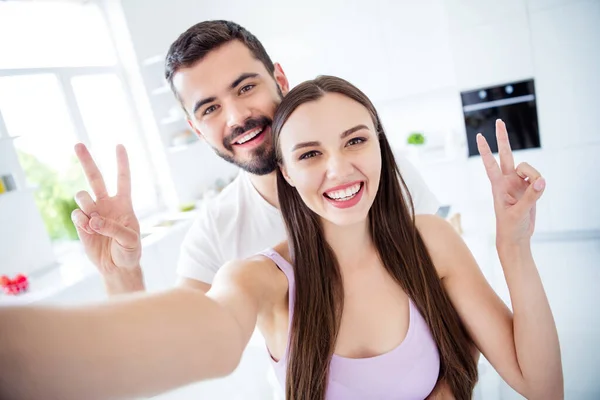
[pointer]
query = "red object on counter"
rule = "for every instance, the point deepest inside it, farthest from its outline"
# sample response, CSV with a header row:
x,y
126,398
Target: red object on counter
x,y
14,286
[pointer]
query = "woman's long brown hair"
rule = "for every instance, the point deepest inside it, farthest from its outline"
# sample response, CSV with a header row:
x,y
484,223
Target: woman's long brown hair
x,y
319,292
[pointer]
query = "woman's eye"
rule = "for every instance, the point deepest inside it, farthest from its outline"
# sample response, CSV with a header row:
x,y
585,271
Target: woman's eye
x,y
210,110
246,88
308,155
357,140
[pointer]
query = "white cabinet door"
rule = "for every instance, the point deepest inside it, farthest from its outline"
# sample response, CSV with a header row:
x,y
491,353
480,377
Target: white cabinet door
x,y
492,53
566,43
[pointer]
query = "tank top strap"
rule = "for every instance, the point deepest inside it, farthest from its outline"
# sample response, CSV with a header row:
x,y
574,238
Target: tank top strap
x,y
288,271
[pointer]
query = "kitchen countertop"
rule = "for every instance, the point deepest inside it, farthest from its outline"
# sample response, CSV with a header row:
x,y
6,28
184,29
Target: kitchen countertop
x,y
73,266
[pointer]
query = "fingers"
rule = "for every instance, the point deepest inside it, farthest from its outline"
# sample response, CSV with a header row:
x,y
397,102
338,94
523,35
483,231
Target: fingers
x,y
531,196
126,237
81,216
526,171
491,166
81,221
91,171
507,163
124,174
85,202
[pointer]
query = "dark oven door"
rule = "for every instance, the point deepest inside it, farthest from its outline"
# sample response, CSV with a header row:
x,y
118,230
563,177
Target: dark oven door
x,y
514,103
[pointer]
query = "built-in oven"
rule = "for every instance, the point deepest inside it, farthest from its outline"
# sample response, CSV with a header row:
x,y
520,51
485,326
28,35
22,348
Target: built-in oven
x,y
514,103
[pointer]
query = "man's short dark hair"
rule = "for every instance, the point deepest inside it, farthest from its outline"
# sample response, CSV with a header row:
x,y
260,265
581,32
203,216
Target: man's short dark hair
x,y
199,40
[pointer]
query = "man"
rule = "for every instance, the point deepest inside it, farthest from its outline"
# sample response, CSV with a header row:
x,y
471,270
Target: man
x,y
229,89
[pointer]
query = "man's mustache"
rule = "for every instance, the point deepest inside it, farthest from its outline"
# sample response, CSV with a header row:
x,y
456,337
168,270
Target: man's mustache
x,y
238,131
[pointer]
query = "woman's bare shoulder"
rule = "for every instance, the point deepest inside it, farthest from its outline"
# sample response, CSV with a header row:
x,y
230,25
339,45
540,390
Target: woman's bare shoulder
x,y
444,244
257,274
257,270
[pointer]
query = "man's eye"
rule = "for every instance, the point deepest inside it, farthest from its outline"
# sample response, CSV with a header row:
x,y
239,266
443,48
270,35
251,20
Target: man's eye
x,y
246,88
308,155
210,110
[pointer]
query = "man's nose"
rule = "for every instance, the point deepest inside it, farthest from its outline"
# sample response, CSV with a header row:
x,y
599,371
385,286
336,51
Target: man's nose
x,y
237,114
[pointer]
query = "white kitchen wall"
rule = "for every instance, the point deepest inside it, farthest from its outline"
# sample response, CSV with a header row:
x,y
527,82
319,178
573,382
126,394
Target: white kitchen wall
x,y
490,42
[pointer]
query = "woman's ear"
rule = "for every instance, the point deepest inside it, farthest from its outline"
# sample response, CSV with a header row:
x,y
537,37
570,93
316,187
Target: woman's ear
x,y
285,175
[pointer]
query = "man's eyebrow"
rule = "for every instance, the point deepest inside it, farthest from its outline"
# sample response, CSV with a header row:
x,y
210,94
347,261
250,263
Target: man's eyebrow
x,y
202,102
241,78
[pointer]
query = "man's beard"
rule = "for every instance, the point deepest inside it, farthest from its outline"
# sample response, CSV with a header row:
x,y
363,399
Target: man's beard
x,y
262,160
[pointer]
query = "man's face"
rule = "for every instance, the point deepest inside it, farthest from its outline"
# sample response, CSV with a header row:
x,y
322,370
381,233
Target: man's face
x,y
231,98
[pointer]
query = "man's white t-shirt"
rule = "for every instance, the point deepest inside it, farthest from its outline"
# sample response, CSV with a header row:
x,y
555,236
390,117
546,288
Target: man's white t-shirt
x,y
239,222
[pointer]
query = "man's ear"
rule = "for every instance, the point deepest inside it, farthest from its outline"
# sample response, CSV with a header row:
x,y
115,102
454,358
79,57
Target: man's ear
x,y
194,129
281,79
285,175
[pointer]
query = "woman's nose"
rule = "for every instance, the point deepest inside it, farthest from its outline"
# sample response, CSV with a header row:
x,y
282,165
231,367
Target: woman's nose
x,y
339,167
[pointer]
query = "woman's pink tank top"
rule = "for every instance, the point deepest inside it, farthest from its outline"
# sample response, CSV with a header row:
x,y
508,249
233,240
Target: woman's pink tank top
x,y
409,371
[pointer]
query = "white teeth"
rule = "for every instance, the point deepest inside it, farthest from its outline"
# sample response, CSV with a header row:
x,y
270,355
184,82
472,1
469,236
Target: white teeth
x,y
249,136
344,194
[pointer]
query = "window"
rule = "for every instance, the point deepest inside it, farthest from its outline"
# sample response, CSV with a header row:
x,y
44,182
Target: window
x,y
108,121
35,111
61,83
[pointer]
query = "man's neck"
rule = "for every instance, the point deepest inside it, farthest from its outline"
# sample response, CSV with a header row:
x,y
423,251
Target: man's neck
x,y
266,186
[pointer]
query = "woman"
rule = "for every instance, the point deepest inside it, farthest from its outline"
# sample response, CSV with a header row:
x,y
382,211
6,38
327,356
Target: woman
x,y
365,300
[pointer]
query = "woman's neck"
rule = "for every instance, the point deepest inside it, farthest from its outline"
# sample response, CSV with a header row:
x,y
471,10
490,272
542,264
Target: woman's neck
x,y
352,245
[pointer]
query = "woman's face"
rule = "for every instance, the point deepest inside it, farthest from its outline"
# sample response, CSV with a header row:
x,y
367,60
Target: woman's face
x,y
331,155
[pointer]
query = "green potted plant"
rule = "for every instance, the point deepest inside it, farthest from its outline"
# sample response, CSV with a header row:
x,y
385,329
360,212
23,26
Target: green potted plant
x,y
416,138
415,141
